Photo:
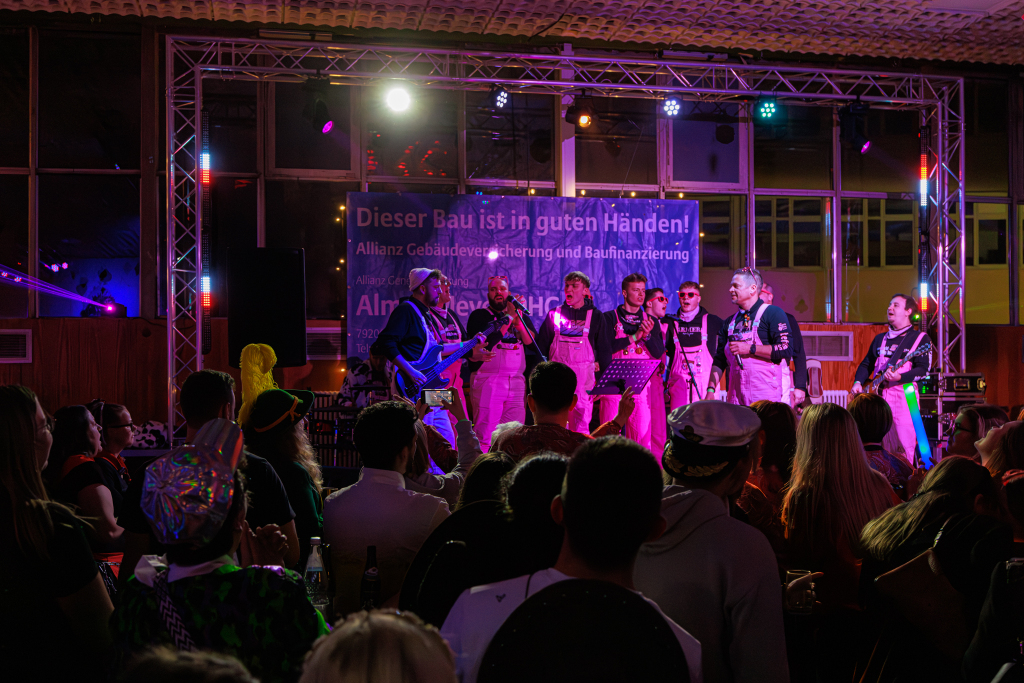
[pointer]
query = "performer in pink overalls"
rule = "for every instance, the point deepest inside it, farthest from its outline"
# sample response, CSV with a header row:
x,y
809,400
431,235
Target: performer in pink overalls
x,y
498,387
451,332
691,357
636,336
656,306
751,344
899,342
573,334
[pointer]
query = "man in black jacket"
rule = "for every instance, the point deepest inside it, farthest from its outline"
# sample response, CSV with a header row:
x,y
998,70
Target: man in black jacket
x,y
794,383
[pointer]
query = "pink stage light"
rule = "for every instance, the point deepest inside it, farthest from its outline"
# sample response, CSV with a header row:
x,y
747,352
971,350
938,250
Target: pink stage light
x,y
55,267
866,147
327,127
110,308
64,265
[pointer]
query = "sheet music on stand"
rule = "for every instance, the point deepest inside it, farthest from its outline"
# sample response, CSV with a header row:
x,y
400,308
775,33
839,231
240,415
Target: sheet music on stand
x,y
625,372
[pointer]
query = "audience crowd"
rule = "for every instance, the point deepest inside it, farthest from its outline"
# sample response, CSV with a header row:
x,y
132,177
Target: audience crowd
x,y
759,546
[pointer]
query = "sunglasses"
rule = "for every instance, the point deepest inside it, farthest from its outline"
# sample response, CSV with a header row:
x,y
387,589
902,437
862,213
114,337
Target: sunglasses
x,y
661,298
688,295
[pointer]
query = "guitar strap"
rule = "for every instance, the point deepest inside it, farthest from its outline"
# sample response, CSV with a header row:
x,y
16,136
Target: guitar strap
x,y
900,350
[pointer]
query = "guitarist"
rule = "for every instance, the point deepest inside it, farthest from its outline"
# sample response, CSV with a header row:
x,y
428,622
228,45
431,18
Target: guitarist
x,y
498,387
412,329
884,358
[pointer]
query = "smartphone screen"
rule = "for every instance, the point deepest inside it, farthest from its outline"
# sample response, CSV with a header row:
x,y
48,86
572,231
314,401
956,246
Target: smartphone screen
x,y
433,397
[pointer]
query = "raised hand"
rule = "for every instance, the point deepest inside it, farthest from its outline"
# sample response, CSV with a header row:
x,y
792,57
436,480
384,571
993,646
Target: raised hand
x,y
456,407
627,404
264,547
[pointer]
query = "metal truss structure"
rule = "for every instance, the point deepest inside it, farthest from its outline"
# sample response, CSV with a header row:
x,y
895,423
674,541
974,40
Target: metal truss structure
x,y
191,59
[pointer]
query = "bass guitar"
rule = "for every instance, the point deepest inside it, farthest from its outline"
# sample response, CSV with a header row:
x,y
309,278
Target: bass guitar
x,y
925,347
432,366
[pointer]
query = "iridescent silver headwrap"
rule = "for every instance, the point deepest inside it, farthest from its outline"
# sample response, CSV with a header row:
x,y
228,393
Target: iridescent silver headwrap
x,y
187,493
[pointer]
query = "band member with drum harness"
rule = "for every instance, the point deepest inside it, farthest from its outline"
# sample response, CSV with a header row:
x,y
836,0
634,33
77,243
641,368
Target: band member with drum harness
x,y
897,357
498,387
794,382
412,330
573,334
691,341
752,343
634,335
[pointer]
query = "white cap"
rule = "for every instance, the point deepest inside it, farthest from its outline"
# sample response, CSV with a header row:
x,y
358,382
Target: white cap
x,y
714,423
417,276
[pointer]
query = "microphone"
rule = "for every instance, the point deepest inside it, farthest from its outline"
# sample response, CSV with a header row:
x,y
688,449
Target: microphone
x,y
520,306
737,338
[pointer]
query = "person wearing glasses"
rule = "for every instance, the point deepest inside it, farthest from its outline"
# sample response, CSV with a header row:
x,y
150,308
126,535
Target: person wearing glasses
x,y
117,432
656,306
794,382
498,386
691,339
751,344
452,332
633,335
573,334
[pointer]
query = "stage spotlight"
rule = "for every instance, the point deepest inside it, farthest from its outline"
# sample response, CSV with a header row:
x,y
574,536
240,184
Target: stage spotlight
x,y
398,98
766,107
725,134
498,97
851,126
64,265
581,112
671,106
315,110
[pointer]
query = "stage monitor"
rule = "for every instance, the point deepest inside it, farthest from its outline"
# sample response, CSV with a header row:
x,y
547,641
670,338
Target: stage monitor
x,y
267,303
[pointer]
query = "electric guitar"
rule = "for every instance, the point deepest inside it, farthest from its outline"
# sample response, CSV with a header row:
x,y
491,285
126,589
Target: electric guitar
x,y
432,366
925,347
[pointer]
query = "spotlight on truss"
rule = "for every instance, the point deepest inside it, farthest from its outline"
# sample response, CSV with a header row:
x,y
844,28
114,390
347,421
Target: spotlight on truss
x,y
581,112
498,97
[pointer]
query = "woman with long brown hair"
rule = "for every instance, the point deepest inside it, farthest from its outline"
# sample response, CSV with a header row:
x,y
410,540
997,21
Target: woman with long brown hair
x,y
52,592
1002,449
832,494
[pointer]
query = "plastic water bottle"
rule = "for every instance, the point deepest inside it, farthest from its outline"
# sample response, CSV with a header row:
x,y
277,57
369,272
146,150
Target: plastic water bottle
x,y
316,578
369,587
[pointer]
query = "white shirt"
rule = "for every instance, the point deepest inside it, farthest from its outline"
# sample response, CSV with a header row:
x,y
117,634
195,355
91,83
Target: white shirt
x,y
377,510
480,611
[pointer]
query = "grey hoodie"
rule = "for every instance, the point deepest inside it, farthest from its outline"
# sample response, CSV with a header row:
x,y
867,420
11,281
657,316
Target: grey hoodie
x,y
718,578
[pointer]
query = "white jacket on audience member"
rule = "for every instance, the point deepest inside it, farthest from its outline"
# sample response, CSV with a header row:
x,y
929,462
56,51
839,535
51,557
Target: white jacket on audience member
x,y
717,577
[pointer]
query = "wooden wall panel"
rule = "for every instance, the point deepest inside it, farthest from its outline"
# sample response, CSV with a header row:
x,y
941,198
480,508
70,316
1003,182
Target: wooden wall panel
x,y
995,351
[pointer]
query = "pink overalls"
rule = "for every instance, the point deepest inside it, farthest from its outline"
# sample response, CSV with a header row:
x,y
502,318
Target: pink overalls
x,y
571,346
638,427
451,335
786,382
435,417
659,417
498,388
897,400
680,388
759,379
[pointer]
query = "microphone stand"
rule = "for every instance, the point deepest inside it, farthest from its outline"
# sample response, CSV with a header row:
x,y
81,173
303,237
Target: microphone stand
x,y
686,359
524,317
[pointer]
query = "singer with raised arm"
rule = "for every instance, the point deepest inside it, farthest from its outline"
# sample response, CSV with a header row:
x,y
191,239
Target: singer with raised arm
x,y
412,330
752,343
498,387
899,356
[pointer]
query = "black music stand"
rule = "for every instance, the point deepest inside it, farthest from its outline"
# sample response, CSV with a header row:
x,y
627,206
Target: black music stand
x,y
625,372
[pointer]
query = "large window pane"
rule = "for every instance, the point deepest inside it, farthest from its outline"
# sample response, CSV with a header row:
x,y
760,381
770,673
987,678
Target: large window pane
x,y
706,143
308,215
892,162
795,268
986,104
620,147
793,149
13,97
298,143
232,109
90,99
720,217
13,242
880,255
233,225
512,143
417,143
988,282
92,224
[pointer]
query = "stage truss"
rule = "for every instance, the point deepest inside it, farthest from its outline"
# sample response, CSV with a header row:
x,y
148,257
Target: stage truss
x,y
189,60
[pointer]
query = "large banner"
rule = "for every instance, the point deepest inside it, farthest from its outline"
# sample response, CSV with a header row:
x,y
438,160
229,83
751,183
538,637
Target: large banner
x,y
534,241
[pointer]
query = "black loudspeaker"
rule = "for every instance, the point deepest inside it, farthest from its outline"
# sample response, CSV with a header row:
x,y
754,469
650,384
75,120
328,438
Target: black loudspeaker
x,y
267,303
